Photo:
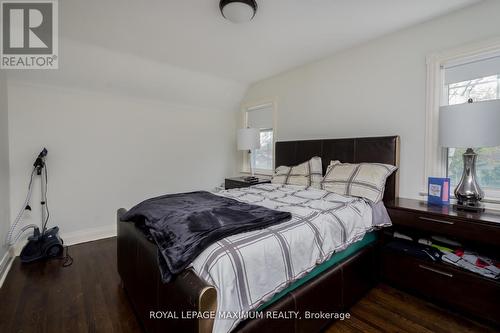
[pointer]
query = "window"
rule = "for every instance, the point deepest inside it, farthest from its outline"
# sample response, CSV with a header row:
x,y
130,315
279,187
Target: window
x,y
454,76
264,155
473,80
262,117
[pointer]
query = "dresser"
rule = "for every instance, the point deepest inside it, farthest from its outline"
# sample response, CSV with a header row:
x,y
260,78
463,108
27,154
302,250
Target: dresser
x,y
443,283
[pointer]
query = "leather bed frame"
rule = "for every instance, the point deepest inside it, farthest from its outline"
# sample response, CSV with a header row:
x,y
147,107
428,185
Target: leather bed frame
x,y
334,290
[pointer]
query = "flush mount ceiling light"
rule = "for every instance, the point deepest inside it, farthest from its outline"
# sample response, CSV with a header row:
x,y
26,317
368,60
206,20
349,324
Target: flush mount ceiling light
x,y
238,11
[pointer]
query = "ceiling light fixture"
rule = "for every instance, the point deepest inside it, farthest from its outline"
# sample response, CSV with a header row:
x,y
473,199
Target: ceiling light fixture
x,y
238,11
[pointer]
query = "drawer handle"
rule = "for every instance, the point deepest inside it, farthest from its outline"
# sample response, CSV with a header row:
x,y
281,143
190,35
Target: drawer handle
x,y
436,271
436,220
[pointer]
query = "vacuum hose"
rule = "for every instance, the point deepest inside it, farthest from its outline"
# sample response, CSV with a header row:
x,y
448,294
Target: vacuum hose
x,y
10,239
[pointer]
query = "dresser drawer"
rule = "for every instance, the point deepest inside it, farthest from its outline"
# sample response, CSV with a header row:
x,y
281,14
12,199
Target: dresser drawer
x,y
447,225
449,285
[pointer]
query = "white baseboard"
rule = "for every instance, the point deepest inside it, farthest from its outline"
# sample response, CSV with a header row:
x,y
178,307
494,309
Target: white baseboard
x,y
5,265
88,235
80,236
69,238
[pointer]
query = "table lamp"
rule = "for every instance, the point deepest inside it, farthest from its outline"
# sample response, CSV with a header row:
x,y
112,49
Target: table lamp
x,y
249,139
470,125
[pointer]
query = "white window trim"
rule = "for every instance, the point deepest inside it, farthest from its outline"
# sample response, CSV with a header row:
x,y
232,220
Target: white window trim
x,y
255,105
435,156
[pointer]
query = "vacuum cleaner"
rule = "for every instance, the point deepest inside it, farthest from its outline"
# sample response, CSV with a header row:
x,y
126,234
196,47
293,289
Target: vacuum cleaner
x,y
45,243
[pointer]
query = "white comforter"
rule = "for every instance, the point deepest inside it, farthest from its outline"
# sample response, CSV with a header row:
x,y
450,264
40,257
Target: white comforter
x,y
248,269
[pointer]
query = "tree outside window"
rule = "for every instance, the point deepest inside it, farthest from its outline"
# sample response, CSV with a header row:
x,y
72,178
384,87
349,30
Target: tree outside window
x,y
264,155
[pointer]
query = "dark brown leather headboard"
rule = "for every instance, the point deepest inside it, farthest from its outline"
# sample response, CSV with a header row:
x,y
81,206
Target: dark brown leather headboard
x,y
384,149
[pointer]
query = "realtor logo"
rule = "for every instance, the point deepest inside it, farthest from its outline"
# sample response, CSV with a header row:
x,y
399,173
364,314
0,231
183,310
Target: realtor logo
x,y
29,33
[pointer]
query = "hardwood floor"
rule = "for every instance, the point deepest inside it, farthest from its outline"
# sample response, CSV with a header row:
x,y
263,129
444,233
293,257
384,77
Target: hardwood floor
x,y
385,309
86,297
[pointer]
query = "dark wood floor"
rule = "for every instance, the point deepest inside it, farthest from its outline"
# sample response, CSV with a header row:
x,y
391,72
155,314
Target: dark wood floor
x,y
86,297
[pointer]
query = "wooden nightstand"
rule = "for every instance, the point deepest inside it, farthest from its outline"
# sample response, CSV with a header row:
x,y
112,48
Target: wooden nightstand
x,y
238,182
447,284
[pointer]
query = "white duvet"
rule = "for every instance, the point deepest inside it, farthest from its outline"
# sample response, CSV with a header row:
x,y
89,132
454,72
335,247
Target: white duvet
x,y
247,269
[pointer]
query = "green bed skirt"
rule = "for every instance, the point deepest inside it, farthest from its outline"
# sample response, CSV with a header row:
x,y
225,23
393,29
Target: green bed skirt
x,y
369,238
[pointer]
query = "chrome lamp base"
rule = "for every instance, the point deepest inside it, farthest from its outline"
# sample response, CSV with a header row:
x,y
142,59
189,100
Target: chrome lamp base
x,y
476,208
468,192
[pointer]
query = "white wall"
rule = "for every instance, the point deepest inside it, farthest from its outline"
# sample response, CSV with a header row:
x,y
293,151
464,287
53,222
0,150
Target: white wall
x,y
4,167
119,129
377,88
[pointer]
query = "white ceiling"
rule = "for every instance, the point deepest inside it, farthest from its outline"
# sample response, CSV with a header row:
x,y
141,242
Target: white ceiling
x,y
284,34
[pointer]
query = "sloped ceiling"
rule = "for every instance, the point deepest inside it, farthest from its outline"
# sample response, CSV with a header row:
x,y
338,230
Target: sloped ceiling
x,y
185,52
284,34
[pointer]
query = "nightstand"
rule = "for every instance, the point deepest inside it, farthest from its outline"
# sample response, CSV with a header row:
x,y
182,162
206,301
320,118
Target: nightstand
x,y
238,182
444,283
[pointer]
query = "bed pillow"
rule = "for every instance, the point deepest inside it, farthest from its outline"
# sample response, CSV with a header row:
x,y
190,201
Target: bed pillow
x,y
308,173
365,180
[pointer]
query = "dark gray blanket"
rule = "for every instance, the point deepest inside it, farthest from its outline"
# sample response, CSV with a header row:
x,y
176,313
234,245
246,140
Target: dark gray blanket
x,y
185,224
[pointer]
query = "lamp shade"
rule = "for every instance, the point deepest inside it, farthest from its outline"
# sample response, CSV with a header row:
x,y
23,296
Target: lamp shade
x,y
248,138
470,125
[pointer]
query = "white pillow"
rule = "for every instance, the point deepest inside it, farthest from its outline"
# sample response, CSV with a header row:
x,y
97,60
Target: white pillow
x,y
366,180
308,173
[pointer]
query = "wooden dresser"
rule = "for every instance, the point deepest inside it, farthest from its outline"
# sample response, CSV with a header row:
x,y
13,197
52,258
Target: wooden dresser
x,y
443,283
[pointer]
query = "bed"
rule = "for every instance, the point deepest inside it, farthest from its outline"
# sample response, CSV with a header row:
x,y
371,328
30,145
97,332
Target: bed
x,y
184,304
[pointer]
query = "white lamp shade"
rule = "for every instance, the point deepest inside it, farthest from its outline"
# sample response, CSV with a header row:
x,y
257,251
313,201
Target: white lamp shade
x,y
238,12
248,138
470,125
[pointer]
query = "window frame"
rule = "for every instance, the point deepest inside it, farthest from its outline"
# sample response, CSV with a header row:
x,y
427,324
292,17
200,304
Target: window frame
x,y
245,165
436,157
